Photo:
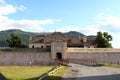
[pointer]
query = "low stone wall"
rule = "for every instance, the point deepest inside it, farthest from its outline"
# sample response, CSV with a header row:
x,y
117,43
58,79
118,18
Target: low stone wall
x,y
25,58
94,58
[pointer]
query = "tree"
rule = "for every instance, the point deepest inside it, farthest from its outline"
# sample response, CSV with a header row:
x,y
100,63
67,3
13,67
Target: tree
x,y
103,40
15,41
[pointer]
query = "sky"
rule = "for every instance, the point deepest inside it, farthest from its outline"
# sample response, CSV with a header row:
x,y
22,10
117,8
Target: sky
x,y
85,16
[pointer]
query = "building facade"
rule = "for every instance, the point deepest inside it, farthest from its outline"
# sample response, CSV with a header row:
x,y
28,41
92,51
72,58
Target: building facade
x,y
43,41
59,43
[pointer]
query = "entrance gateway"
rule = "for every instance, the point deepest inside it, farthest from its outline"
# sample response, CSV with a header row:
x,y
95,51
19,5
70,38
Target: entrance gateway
x,y
58,47
58,55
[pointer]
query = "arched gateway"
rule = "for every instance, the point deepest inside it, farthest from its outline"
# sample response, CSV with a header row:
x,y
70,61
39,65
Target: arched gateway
x,y
58,55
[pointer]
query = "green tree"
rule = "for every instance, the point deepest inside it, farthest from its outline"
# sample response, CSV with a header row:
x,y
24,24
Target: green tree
x,y
103,40
15,41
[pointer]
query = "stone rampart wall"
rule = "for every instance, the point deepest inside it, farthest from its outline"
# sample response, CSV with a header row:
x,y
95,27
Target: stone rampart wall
x,y
24,58
44,58
93,58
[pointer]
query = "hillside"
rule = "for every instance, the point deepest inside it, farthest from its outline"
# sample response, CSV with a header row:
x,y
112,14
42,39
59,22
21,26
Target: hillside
x,y
25,35
6,34
73,34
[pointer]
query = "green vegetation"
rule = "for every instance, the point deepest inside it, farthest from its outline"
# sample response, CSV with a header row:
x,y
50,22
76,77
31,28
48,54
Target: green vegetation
x,y
57,75
24,49
103,40
24,72
4,35
109,65
15,41
73,34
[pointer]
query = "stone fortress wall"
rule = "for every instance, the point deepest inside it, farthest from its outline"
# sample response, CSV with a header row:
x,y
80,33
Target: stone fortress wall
x,y
85,56
24,58
93,56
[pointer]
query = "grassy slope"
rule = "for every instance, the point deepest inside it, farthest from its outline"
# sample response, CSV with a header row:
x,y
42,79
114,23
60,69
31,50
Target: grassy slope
x,y
24,73
109,65
57,75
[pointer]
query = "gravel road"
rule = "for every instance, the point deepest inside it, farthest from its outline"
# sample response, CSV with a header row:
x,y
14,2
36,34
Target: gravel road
x,y
80,72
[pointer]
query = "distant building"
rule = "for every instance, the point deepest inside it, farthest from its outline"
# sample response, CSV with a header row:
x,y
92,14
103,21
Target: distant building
x,y
43,41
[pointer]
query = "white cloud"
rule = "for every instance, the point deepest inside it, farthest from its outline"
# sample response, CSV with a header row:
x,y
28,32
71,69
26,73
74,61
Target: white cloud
x,y
21,8
87,30
7,9
25,24
6,23
66,28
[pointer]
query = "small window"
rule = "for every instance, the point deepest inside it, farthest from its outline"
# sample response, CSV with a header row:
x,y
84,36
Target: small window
x,y
41,40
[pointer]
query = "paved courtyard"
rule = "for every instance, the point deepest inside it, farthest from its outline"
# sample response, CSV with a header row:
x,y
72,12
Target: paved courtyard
x,y
80,72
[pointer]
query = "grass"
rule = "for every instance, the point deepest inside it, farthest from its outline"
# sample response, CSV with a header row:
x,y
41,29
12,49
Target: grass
x,y
24,72
109,65
57,75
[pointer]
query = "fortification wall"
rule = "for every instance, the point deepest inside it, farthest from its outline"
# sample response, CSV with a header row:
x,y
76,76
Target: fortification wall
x,y
94,58
75,55
25,58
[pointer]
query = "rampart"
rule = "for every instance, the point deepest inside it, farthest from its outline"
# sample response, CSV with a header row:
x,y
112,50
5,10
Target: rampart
x,y
25,58
93,56
86,56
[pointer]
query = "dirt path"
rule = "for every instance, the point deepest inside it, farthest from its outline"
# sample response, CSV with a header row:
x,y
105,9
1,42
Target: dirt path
x,y
79,72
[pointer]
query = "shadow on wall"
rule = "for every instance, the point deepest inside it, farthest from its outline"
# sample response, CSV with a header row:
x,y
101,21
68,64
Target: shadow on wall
x,y
103,77
2,77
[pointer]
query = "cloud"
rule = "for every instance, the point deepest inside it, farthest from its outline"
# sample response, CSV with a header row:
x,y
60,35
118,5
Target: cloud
x,y
21,8
24,24
87,30
7,9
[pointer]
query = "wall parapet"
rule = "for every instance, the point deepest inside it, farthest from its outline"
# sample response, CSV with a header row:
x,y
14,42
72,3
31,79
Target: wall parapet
x,y
25,49
93,50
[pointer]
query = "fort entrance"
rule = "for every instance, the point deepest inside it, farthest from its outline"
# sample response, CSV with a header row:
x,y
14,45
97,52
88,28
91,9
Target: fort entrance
x,y
59,55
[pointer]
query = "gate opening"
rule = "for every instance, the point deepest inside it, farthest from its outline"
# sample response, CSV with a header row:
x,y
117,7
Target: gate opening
x,y
59,55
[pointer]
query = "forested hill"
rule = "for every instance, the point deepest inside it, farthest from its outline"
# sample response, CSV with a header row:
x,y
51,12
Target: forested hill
x,y
25,35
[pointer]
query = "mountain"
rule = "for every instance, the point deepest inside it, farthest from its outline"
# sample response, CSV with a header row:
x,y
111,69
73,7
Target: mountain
x,y
25,35
73,34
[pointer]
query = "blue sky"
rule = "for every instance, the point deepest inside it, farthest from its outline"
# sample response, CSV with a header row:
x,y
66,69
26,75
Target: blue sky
x,y
85,16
